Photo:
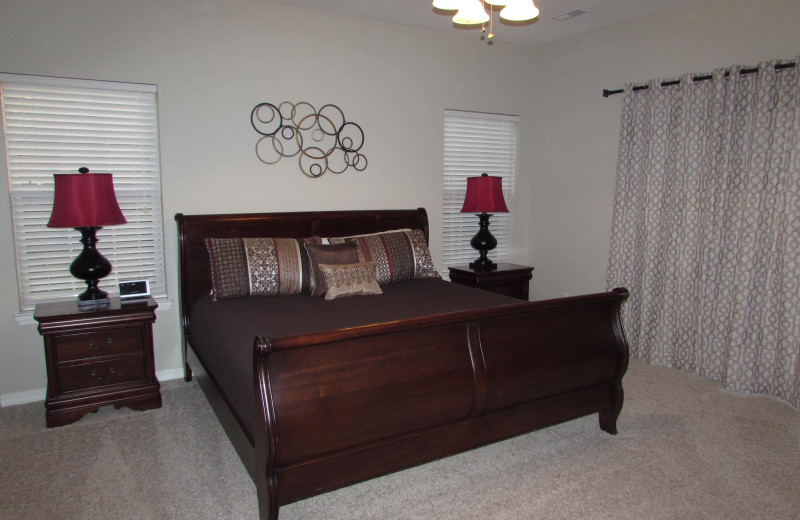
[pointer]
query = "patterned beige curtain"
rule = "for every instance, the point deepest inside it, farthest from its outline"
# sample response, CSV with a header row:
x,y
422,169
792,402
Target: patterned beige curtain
x,y
706,229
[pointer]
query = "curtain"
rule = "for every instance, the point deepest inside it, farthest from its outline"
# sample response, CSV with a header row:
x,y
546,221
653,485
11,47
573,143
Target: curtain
x,y
706,227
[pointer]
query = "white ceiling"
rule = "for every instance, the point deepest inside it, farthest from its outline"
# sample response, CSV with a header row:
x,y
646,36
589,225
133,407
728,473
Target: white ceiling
x,y
420,13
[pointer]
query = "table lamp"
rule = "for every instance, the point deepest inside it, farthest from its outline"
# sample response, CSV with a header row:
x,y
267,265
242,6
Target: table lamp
x,y
484,196
87,202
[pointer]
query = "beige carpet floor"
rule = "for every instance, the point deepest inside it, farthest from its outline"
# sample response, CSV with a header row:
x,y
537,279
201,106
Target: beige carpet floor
x,y
686,450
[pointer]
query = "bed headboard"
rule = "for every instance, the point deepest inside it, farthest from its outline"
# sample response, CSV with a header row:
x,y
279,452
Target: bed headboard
x,y
195,278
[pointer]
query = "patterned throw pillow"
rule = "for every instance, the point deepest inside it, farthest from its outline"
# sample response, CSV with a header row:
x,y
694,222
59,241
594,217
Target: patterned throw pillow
x,y
398,255
331,254
349,280
242,267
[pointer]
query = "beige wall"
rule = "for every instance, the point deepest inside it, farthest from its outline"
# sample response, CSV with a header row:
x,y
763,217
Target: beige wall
x,y
213,60
576,130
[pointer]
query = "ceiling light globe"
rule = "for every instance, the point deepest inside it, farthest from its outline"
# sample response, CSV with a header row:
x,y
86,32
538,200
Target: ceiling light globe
x,y
519,11
471,13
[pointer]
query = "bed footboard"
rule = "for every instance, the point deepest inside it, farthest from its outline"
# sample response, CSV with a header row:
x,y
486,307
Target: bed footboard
x,y
357,403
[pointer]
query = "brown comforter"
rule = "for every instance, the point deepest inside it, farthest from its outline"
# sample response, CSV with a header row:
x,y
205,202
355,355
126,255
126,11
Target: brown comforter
x,y
223,332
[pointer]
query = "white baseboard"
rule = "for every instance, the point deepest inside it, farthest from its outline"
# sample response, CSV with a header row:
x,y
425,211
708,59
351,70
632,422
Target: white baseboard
x,y
32,396
166,375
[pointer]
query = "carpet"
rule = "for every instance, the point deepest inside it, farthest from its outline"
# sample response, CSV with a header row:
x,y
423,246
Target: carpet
x,y
686,450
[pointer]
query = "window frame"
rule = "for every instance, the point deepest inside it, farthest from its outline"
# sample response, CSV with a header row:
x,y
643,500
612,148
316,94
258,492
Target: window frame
x,y
476,143
108,127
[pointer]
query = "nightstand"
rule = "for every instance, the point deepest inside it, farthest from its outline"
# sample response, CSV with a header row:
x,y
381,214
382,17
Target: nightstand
x,y
98,357
508,279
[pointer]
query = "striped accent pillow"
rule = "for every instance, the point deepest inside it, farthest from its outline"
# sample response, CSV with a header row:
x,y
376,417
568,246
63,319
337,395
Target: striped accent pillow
x,y
243,267
399,255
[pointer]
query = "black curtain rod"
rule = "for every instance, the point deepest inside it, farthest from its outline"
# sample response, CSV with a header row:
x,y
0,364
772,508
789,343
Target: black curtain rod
x,y
779,66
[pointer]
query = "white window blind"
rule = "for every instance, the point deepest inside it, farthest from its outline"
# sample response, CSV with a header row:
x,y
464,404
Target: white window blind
x,y
54,125
476,143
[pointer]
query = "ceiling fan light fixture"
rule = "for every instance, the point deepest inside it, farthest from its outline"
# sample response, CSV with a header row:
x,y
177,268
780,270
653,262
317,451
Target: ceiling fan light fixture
x,y
519,11
471,12
496,3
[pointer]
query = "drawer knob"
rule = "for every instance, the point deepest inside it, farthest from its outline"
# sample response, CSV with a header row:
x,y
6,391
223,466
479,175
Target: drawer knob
x,y
99,377
100,346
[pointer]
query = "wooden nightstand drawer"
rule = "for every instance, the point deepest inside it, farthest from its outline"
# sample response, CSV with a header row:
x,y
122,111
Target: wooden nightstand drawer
x,y
92,375
515,290
98,357
94,344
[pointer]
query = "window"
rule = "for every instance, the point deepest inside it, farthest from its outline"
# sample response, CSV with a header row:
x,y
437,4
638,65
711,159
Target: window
x,y
54,125
476,143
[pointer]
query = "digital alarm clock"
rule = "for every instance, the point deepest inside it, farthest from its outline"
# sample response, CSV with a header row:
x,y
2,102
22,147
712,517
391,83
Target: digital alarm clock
x,y
131,289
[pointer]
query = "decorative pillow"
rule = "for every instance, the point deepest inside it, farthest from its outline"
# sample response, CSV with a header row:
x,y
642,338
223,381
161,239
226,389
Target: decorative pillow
x,y
399,255
349,280
331,254
242,267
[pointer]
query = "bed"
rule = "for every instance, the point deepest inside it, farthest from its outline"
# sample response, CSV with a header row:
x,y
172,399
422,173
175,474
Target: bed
x,y
318,394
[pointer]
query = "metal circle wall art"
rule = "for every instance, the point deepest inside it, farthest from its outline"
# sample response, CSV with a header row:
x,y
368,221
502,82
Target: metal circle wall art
x,y
323,140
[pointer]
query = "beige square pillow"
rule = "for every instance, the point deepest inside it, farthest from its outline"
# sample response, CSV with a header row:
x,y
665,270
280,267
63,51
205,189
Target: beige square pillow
x,y
350,280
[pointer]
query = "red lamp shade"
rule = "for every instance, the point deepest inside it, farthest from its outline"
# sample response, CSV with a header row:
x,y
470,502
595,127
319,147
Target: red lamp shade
x,y
85,200
484,195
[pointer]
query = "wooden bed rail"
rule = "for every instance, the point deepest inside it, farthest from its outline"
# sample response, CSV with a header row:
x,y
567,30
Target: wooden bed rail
x,y
314,339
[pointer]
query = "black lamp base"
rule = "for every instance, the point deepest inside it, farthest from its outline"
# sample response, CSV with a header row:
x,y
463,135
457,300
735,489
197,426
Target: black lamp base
x,y
484,242
90,266
481,265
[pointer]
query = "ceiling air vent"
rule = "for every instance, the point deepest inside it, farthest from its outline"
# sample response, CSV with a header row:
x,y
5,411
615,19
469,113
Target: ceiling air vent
x,y
570,14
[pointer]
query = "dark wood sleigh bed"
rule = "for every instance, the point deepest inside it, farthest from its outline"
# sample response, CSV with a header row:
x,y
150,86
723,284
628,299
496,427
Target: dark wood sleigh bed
x,y
312,412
